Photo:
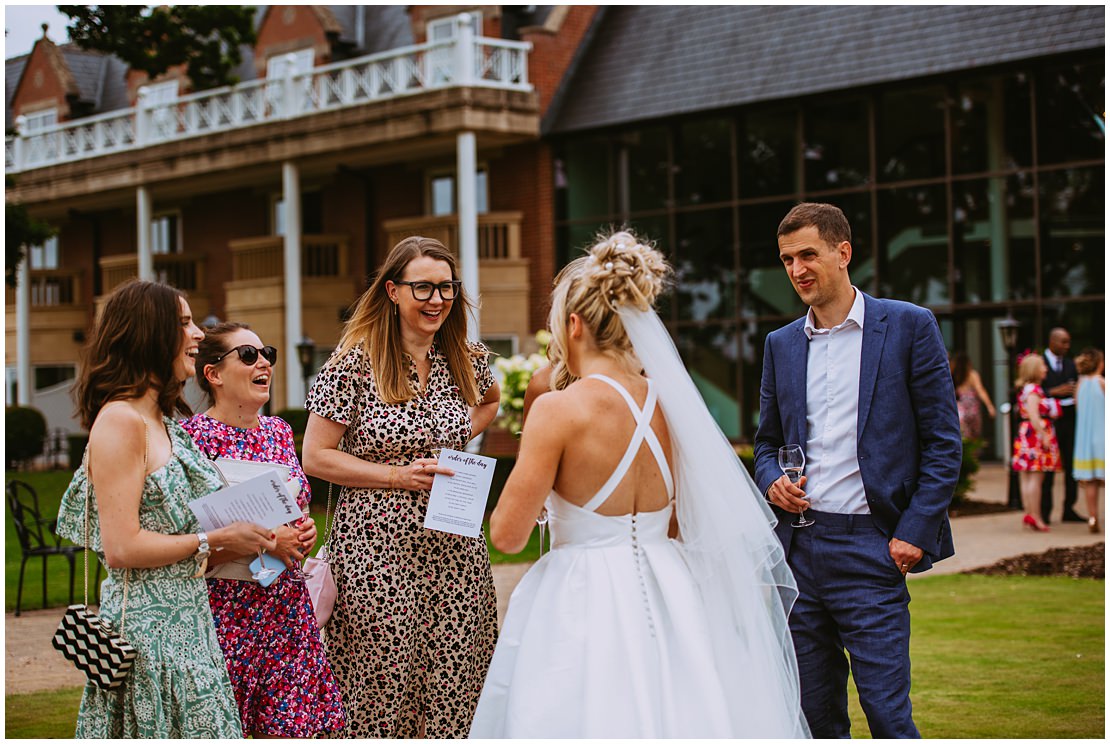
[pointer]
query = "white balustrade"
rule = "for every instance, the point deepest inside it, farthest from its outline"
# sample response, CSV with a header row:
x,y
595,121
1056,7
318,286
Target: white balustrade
x,y
496,63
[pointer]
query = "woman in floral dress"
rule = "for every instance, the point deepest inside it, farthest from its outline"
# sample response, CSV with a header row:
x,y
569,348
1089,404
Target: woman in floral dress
x,y
415,621
1036,450
283,683
142,470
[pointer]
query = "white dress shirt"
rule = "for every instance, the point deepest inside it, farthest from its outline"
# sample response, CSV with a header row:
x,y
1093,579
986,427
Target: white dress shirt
x,y
833,480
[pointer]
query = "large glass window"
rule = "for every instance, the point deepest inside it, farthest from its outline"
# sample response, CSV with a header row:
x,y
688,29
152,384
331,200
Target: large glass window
x,y
991,128
711,354
993,239
705,266
768,149
913,240
766,289
910,133
836,145
1073,232
1071,113
648,168
703,155
585,173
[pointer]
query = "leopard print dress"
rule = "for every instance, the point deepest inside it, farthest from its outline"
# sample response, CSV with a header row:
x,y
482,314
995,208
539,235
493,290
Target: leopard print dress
x,y
415,622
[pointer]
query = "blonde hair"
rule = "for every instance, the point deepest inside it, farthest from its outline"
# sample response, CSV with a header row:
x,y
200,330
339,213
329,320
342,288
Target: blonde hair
x,y
375,325
1027,369
618,270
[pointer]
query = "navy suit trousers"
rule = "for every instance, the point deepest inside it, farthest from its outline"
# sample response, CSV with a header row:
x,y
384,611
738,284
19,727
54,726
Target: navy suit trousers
x,y
851,598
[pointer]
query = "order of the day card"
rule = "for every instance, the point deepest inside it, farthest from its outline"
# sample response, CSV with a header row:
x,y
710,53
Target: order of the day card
x,y
457,502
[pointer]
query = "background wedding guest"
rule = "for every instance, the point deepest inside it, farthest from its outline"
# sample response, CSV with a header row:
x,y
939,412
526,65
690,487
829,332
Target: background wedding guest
x,y
969,393
1059,383
143,469
1090,430
863,385
1036,450
283,683
416,618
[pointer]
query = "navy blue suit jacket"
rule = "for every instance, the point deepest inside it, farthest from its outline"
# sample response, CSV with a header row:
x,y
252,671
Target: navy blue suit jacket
x,y
908,433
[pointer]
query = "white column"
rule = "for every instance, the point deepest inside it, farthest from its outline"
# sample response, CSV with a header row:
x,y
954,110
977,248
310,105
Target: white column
x,y
291,194
143,208
466,179
23,330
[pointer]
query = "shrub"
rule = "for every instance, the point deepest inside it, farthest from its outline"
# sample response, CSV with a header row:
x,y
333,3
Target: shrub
x,y
969,466
24,434
297,418
77,444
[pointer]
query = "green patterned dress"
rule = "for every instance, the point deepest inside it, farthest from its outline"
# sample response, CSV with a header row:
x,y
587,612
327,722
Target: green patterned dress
x,y
178,686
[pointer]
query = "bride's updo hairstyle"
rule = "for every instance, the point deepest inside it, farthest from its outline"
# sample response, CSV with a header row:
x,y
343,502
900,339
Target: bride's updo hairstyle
x,y
618,271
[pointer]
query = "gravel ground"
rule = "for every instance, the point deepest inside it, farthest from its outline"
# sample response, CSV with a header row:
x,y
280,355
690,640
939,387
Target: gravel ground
x,y
1082,562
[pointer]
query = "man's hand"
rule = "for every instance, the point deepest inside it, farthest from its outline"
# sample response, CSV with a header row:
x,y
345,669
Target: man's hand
x,y
788,496
1065,390
905,556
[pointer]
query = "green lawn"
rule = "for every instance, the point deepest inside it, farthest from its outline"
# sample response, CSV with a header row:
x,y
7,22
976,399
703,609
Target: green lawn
x,y
993,657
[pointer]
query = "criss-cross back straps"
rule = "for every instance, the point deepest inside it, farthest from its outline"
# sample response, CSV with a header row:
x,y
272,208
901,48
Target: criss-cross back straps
x,y
643,433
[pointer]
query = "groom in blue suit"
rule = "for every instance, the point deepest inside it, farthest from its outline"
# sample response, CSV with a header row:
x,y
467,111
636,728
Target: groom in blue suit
x,y
863,385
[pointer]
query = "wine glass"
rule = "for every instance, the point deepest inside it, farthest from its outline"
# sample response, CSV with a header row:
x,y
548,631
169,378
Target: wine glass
x,y
264,572
297,571
792,461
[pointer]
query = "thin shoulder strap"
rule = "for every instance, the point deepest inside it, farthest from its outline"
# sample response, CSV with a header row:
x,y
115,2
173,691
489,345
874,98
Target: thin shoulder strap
x,y
643,432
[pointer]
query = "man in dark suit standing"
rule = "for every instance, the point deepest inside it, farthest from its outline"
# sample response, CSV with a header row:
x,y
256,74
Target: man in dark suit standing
x,y
1059,383
863,385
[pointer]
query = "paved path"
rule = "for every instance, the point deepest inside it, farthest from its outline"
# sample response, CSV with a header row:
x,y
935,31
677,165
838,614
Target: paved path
x,y
32,664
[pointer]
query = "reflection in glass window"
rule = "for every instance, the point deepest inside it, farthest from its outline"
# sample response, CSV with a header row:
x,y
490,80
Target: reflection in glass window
x,y
913,242
766,289
703,153
586,172
1073,238
991,128
705,269
711,354
648,163
768,146
45,255
993,239
911,134
836,149
1071,111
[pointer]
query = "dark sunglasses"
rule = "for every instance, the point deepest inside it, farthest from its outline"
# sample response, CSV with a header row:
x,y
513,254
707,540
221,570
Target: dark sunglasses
x,y
248,355
422,291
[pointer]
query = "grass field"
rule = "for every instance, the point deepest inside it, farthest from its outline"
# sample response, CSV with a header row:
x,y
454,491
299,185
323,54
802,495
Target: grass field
x,y
993,657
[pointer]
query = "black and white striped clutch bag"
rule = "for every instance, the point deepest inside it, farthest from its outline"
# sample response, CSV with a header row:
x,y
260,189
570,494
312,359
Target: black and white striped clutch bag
x,y
90,643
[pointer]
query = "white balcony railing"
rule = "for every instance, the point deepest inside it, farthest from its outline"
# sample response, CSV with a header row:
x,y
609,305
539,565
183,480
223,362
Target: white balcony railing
x,y
464,61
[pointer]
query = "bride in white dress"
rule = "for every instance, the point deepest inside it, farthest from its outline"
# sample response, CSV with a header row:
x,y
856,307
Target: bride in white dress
x,y
661,609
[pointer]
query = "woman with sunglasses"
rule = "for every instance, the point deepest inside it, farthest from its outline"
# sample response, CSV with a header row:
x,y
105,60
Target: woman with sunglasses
x,y
139,474
415,621
283,683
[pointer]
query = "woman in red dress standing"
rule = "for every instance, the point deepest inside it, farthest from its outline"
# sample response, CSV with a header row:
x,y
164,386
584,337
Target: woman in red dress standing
x,y
1036,450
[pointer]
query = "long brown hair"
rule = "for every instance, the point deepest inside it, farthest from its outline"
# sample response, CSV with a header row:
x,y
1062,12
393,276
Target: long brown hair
x,y
133,348
375,325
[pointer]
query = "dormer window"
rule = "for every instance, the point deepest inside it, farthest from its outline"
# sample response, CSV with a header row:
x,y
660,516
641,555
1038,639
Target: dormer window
x,y
39,120
443,29
303,61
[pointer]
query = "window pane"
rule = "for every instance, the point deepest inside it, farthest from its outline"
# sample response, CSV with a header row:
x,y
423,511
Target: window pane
x,y
910,134
913,241
163,234
586,175
647,168
705,269
768,147
993,239
702,157
1073,225
836,148
481,192
857,208
991,125
1086,328
443,195
1071,104
766,289
49,375
45,255
711,353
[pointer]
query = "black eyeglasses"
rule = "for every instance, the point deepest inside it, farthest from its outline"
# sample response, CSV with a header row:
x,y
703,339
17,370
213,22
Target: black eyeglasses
x,y
422,291
248,354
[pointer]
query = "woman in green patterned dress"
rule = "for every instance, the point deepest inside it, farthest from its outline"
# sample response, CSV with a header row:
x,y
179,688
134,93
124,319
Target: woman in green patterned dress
x,y
142,470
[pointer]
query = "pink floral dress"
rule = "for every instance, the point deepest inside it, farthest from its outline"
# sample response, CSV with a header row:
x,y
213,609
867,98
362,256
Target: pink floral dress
x,y
1029,453
283,683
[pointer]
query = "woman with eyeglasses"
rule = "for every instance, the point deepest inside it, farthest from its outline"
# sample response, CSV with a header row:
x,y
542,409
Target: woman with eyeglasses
x,y
415,621
283,683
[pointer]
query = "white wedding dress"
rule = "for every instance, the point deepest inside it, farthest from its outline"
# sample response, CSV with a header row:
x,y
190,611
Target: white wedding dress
x,y
607,635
